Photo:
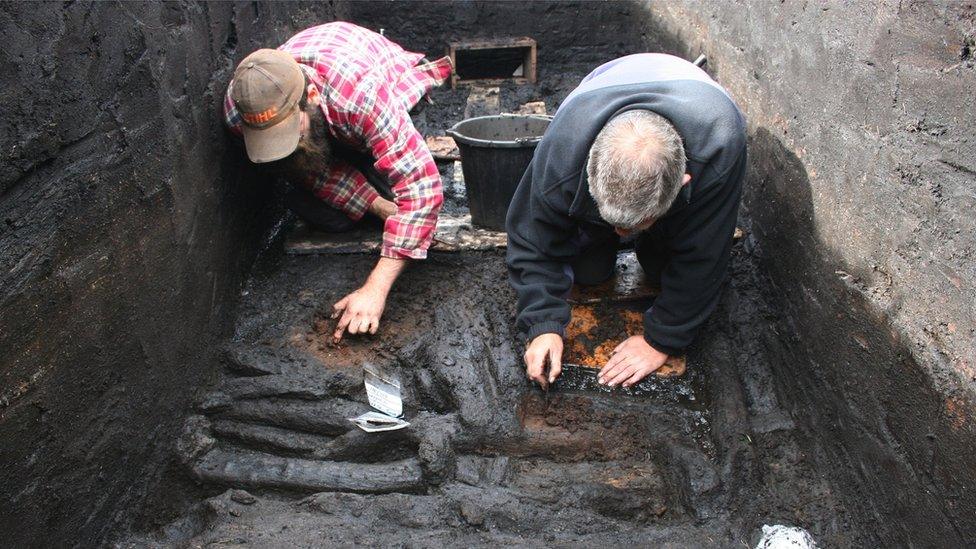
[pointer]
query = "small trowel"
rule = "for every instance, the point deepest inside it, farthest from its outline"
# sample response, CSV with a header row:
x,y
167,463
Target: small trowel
x,y
545,379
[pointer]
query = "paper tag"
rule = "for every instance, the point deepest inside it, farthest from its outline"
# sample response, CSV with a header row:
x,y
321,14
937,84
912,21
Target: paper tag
x,y
373,422
383,391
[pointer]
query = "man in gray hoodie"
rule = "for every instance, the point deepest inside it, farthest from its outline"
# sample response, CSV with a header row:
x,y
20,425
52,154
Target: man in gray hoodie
x,y
647,145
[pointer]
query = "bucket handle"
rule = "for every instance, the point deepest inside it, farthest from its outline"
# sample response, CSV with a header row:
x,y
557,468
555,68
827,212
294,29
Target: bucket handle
x,y
548,117
520,140
533,140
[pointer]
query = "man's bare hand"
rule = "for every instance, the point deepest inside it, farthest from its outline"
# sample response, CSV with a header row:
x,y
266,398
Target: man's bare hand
x,y
382,208
359,312
544,346
632,361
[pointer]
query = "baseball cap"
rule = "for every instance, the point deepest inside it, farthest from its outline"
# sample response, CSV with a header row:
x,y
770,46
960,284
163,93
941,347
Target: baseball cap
x,y
266,89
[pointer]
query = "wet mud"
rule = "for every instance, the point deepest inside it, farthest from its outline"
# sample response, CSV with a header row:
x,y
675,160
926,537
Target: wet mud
x,y
700,456
702,459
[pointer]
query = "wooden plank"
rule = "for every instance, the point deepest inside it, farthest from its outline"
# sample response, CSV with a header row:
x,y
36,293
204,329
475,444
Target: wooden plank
x,y
493,43
452,53
530,64
491,81
534,107
442,148
454,234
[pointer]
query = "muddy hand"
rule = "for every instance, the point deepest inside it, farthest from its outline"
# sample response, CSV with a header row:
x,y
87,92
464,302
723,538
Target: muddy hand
x,y
358,313
545,348
631,361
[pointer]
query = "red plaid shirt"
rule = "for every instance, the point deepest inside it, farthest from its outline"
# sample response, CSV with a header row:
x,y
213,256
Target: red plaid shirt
x,y
368,84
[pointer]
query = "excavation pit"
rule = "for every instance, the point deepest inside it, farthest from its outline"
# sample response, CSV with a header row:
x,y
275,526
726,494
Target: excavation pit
x,y
162,388
488,455
487,449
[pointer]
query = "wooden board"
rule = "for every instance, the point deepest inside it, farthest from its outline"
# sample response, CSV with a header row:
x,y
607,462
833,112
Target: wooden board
x,y
528,64
454,234
442,148
533,107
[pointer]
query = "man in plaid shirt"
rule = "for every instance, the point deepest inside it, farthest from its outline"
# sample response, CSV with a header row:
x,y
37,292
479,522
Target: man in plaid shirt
x,y
338,87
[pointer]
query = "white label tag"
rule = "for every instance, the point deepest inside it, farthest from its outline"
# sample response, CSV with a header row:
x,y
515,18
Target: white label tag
x,y
373,422
383,391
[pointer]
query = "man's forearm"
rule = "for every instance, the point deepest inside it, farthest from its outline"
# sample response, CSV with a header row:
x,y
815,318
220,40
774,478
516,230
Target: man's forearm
x,y
387,269
382,208
384,274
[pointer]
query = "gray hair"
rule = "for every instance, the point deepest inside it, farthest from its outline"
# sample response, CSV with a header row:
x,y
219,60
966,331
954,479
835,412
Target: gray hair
x,y
635,168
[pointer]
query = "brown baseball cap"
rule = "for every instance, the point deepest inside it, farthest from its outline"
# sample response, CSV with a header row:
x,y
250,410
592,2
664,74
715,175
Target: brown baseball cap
x,y
267,87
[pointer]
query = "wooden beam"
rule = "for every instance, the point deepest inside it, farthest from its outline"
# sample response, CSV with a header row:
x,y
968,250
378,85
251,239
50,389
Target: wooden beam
x,y
529,59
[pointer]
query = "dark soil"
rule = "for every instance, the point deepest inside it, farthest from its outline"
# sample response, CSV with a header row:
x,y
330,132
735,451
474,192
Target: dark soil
x,y
703,460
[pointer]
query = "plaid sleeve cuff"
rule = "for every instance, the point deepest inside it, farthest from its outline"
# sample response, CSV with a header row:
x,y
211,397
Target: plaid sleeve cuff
x,y
402,253
410,232
360,199
405,238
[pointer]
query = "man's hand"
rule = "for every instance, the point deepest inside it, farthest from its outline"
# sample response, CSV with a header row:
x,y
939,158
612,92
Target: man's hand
x,y
631,361
382,208
544,346
360,311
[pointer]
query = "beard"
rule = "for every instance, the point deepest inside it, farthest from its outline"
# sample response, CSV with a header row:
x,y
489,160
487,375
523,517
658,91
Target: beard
x,y
313,155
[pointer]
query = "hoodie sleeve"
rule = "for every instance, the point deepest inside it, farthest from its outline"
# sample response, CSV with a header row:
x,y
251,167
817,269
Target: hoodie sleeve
x,y
701,243
540,247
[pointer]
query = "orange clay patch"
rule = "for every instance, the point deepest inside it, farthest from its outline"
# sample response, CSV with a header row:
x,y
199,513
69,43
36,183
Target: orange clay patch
x,y
583,321
956,412
634,322
598,357
584,346
674,367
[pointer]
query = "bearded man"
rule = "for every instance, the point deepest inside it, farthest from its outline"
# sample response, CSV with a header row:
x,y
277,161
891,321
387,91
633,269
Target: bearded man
x,y
647,145
329,109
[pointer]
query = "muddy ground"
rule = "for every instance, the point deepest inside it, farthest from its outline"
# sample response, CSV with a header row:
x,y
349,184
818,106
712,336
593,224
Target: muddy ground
x,y
703,460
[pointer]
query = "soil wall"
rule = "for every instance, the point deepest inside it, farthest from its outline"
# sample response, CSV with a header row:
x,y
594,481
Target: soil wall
x,y
566,32
861,192
126,228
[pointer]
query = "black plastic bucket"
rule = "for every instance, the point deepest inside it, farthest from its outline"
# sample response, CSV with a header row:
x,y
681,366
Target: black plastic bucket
x,y
495,151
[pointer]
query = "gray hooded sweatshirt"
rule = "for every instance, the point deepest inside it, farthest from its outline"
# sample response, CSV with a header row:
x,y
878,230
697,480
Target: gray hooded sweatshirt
x,y
552,204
